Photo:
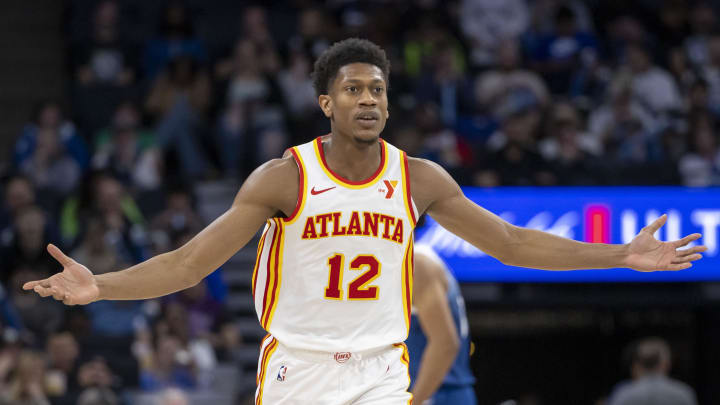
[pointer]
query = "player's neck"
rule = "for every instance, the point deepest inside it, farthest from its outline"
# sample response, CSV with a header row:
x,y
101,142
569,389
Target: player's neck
x,y
352,160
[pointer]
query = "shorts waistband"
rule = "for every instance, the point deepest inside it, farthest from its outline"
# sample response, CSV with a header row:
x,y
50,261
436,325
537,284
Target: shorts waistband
x,y
335,357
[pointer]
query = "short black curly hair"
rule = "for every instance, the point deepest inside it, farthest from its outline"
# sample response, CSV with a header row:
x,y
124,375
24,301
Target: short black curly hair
x,y
345,52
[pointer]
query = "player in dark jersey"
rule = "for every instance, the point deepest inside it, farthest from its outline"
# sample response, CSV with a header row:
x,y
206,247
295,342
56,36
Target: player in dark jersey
x,y
439,339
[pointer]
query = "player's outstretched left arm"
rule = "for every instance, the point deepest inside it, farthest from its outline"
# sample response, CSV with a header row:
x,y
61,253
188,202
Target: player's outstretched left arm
x,y
436,193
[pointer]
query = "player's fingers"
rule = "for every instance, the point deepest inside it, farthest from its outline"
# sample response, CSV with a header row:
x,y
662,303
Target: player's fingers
x,y
688,258
57,293
31,284
684,241
656,224
679,266
59,255
42,291
694,249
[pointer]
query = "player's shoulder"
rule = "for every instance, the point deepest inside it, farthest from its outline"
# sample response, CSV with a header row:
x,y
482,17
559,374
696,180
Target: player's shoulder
x,y
420,164
278,168
276,176
424,170
429,182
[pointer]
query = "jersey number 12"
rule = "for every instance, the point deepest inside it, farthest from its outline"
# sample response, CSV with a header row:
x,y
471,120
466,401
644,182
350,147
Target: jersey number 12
x,y
358,289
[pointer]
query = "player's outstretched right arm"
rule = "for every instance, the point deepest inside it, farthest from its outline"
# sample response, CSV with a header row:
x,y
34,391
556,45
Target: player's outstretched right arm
x,y
270,188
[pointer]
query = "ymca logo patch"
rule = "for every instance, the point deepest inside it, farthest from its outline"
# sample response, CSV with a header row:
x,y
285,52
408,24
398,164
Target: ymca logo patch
x,y
281,373
389,188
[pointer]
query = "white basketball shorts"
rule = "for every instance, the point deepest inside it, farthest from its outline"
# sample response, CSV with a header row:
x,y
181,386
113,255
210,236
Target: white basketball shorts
x,y
300,377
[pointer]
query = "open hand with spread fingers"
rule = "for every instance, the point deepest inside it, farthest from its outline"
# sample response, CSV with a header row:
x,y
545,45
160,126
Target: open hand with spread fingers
x,y
645,253
75,285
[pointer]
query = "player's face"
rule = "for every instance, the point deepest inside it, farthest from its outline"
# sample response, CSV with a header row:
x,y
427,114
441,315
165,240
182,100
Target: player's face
x,y
357,103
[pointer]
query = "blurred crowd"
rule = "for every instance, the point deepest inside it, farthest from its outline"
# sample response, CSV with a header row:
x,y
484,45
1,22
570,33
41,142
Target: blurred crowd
x,y
162,95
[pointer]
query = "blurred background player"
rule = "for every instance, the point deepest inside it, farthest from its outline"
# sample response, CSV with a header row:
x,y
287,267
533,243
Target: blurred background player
x,y
650,384
439,339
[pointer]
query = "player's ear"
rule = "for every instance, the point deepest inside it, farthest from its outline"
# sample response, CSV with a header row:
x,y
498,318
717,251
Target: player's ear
x,y
325,104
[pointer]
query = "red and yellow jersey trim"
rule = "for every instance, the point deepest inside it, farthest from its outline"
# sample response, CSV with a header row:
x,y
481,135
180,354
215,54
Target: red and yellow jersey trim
x,y
302,195
320,153
261,245
273,273
405,360
264,362
407,283
407,196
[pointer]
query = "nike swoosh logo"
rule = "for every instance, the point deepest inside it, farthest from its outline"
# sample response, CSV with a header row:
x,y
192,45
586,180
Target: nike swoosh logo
x,y
316,192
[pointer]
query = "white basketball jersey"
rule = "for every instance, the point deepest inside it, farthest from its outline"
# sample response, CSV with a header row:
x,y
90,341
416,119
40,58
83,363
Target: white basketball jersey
x,y
337,274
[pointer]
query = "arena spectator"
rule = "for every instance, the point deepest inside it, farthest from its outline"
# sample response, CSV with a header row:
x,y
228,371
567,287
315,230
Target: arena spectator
x,y
680,69
651,363
176,38
493,86
50,167
511,156
438,142
178,217
543,14
619,118
129,151
178,100
703,23
39,317
49,119
99,249
561,53
120,223
26,386
10,318
698,97
169,366
672,26
486,23
19,193
700,167
652,86
256,29
194,336
314,31
105,58
296,85
447,85
63,352
23,243
571,153
96,381
711,72
252,125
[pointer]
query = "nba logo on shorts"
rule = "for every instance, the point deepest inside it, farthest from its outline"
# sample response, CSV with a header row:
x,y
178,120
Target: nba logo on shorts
x,y
281,373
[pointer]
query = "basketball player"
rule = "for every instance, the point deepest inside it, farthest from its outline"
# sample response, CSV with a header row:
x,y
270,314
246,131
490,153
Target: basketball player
x,y
439,341
333,280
